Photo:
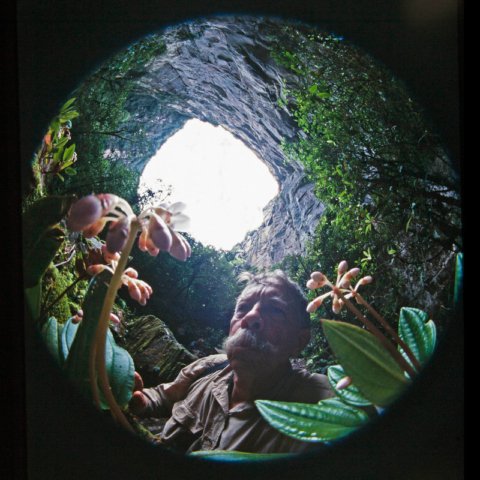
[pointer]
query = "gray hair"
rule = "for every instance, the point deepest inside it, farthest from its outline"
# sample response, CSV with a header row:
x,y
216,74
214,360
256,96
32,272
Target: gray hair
x,y
279,278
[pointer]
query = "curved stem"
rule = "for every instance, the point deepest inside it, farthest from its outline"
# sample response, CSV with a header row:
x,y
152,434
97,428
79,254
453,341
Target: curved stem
x,y
98,347
403,364
390,330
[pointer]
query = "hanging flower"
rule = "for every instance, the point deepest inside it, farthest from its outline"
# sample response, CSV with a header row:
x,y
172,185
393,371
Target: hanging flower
x,y
117,235
342,284
160,232
90,214
172,215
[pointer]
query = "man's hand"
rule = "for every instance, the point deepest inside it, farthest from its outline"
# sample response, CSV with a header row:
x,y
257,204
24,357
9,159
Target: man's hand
x,y
139,402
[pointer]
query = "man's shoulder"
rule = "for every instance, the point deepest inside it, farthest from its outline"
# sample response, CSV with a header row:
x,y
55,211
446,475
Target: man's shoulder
x,y
204,365
310,387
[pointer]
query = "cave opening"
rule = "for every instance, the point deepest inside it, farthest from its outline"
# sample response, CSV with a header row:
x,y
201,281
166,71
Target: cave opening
x,y
223,183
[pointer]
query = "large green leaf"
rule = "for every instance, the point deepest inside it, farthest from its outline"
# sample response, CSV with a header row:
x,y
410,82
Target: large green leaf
x,y
417,332
50,333
68,335
121,372
371,367
226,455
351,394
119,363
68,153
76,365
328,420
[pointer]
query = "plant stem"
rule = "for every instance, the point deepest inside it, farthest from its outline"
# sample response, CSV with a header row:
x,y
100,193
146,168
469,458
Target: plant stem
x,y
97,353
375,331
390,330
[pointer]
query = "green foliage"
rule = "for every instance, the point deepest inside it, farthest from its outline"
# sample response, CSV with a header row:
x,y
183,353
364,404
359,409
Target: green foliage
x,y
190,296
418,332
351,394
392,200
101,101
56,156
51,332
328,420
377,380
372,369
54,302
42,237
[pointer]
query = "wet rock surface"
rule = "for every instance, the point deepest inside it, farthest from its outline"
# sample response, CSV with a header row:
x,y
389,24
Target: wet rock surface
x,y
221,71
157,354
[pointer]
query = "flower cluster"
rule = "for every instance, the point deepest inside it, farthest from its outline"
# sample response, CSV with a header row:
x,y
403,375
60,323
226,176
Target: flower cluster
x,y
342,285
158,225
139,290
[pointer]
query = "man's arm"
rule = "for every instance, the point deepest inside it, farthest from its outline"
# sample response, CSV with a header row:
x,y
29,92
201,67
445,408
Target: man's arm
x,y
158,401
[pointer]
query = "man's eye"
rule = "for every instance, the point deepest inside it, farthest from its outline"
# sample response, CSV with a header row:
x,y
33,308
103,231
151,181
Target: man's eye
x,y
243,308
271,310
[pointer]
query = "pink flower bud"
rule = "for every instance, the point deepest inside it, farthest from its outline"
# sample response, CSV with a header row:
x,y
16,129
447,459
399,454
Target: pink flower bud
x,y
315,304
134,292
117,235
84,212
131,272
159,233
95,228
180,248
365,280
312,284
114,319
343,383
77,318
151,248
108,201
142,241
337,305
318,277
311,307
95,269
108,256
342,267
352,273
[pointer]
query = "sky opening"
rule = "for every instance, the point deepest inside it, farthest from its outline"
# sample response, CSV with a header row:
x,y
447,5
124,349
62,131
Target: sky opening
x,y
224,184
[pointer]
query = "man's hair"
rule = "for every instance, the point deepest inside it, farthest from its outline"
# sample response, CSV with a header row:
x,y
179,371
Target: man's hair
x,y
278,278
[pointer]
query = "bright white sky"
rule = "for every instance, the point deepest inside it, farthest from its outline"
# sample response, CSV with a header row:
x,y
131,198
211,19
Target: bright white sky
x,y
223,183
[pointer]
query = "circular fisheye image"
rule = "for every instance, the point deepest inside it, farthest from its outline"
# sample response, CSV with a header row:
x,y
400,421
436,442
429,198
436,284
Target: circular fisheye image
x,y
242,238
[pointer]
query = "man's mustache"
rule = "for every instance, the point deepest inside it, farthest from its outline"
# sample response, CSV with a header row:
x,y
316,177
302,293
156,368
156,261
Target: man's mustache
x,y
246,339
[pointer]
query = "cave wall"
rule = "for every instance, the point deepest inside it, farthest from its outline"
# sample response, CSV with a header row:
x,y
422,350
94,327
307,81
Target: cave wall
x,y
221,71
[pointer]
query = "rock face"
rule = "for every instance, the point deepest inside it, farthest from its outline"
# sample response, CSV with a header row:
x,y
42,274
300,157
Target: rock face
x,y
221,71
157,355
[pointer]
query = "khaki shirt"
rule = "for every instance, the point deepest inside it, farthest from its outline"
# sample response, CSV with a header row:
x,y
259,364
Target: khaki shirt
x,y
202,420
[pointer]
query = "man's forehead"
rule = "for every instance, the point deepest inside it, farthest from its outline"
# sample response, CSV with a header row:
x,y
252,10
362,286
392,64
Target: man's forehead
x,y
273,292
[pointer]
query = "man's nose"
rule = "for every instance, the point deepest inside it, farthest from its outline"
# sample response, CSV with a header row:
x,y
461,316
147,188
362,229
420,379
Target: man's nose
x,y
253,319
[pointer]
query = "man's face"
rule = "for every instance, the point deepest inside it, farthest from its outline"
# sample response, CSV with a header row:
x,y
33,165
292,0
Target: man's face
x,y
263,330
